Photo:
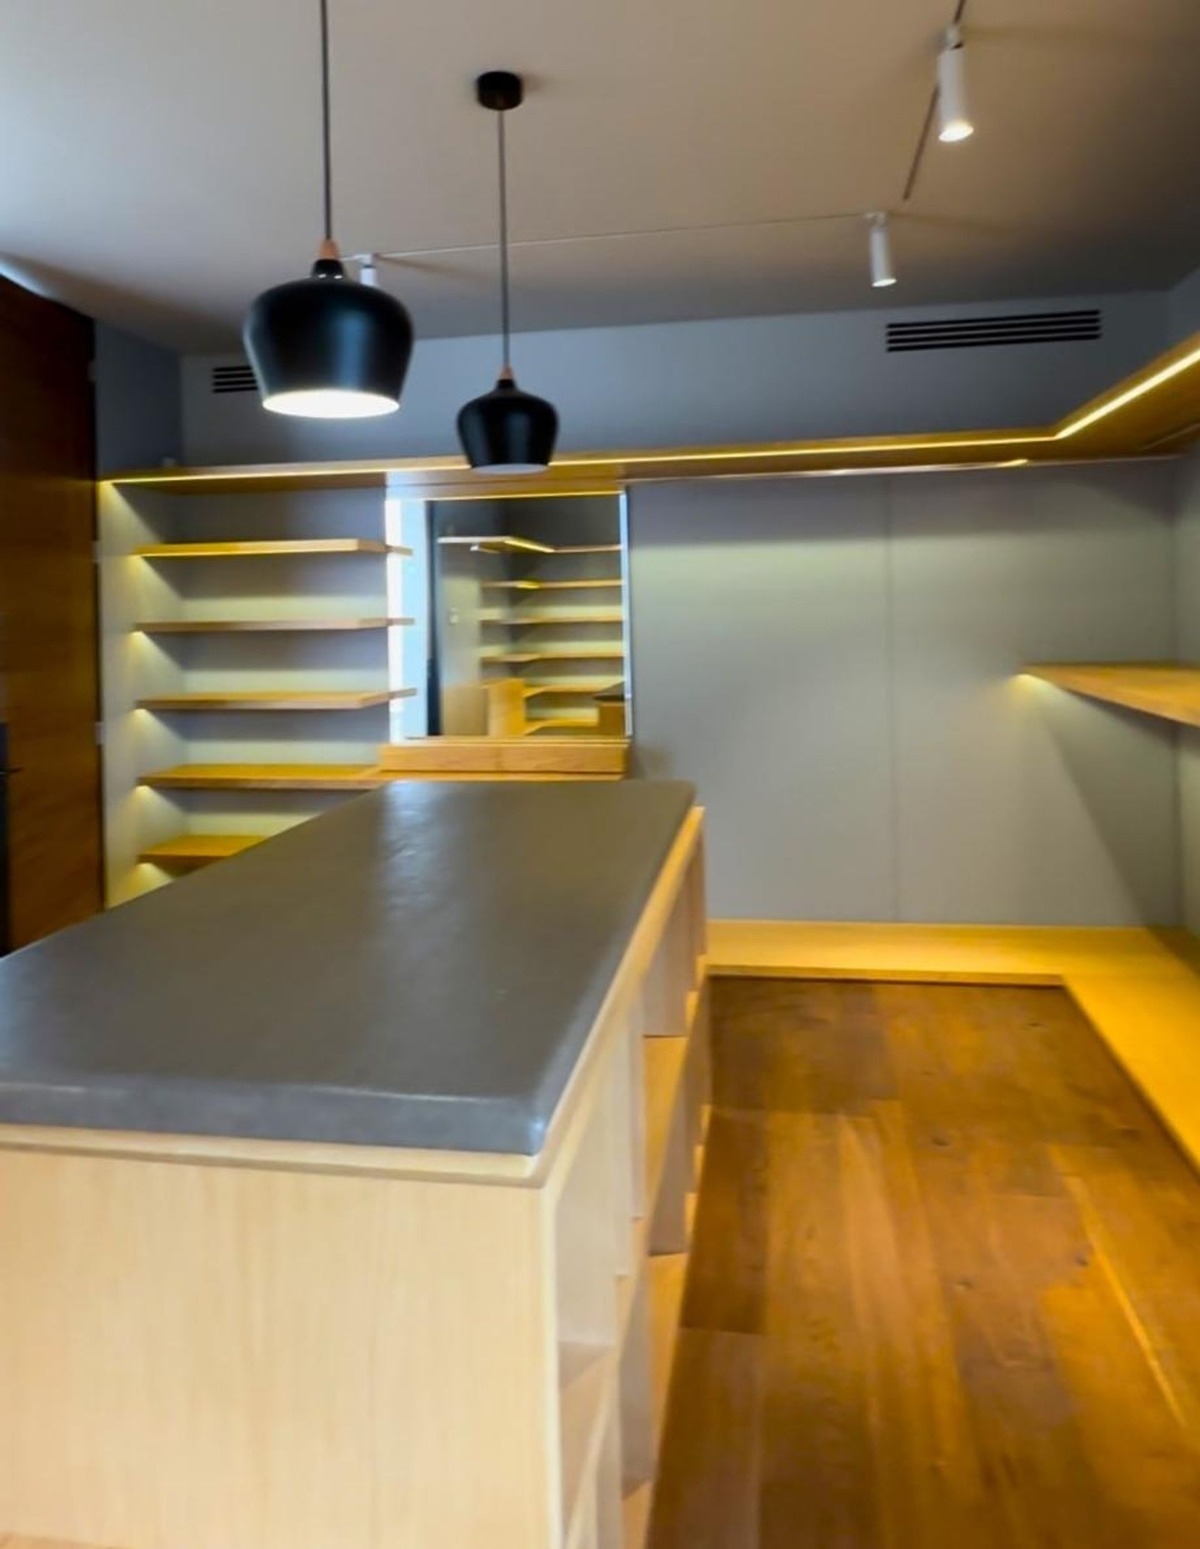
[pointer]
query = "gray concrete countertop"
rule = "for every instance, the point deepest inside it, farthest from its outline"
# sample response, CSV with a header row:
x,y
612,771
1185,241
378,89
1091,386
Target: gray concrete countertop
x,y
418,968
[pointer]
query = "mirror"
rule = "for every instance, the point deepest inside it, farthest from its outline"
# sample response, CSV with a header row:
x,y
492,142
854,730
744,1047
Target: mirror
x,y
530,619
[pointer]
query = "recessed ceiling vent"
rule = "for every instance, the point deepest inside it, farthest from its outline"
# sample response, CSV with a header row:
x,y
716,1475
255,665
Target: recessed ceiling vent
x,y
233,379
977,333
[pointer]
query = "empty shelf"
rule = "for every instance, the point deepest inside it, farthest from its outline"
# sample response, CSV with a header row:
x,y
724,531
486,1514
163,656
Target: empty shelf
x,y
584,1394
589,548
663,1060
559,620
1168,690
560,723
266,777
560,653
268,547
589,686
263,626
186,851
298,699
549,586
493,543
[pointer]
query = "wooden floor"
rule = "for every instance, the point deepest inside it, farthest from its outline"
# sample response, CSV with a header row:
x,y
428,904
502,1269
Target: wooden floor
x,y
945,1286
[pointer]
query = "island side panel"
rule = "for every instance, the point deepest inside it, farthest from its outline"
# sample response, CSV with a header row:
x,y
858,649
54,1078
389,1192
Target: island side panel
x,y
208,1357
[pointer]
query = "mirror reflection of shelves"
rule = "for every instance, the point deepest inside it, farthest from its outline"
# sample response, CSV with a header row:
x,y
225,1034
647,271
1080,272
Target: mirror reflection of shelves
x,y
543,608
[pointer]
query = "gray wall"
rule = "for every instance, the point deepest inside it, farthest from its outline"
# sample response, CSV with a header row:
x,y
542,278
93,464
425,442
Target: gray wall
x,y
748,379
833,662
139,402
1183,308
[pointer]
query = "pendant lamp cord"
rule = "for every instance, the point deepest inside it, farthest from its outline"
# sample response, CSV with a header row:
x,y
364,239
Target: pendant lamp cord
x,y
325,130
505,325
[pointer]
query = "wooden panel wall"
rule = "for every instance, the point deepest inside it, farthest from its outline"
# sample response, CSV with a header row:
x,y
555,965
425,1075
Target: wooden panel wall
x,y
48,648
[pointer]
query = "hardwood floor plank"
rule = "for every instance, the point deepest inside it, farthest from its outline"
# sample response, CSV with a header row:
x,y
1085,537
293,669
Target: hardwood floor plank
x,y
707,1491
1151,1467
961,1259
786,1045
816,1448
727,1273
925,1474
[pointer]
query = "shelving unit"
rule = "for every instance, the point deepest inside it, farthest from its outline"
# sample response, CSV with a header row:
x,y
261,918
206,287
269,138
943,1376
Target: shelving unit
x,y
622,1230
261,669
1169,691
521,605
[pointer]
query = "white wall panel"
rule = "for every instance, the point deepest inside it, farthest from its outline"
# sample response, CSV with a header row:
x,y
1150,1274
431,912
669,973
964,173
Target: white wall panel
x,y
1016,801
760,672
835,664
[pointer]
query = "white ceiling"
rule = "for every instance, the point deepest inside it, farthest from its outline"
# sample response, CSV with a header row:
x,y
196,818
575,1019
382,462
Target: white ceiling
x,y
159,158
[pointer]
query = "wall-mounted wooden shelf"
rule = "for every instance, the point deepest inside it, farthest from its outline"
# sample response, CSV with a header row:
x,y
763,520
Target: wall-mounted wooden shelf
x,y
265,626
590,686
344,699
560,723
580,653
187,851
268,548
265,777
554,620
1168,690
491,543
551,586
589,548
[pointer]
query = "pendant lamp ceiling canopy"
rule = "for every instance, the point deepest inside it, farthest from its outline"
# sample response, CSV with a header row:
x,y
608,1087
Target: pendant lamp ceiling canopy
x,y
327,347
506,431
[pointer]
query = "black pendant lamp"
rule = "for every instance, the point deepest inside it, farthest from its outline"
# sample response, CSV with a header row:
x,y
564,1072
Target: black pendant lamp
x,y
328,347
506,431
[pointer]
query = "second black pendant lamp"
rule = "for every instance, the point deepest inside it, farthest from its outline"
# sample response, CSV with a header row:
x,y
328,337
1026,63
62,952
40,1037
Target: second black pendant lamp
x,y
506,431
328,347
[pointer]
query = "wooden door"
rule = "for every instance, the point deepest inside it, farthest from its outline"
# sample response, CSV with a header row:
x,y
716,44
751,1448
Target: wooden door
x,y
48,646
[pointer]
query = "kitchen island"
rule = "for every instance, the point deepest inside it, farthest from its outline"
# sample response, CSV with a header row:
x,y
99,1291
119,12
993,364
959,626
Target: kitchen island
x,y
344,1187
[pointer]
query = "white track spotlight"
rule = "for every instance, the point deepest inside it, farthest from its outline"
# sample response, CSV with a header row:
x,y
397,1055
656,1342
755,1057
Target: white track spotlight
x,y
954,122
882,272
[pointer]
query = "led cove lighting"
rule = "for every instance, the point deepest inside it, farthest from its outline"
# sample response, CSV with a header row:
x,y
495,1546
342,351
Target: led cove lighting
x,y
1130,395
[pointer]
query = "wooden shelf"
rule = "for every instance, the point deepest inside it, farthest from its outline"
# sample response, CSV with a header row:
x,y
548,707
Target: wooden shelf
x,y
551,586
265,626
667,1273
585,1392
588,686
561,723
663,1061
589,548
300,699
268,547
580,653
266,777
558,620
635,1514
490,543
187,851
1168,690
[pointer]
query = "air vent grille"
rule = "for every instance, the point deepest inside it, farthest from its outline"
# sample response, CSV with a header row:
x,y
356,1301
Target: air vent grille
x,y
976,333
233,379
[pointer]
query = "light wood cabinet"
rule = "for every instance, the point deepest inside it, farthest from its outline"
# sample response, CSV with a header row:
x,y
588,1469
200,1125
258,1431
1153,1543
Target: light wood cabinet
x,y
211,1343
